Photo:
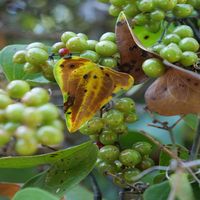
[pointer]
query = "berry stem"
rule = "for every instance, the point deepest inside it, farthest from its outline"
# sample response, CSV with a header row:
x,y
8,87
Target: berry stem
x,y
196,144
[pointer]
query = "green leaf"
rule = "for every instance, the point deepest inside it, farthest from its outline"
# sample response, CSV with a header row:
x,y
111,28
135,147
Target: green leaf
x,y
159,191
33,194
196,190
67,171
31,161
192,121
14,71
165,159
182,191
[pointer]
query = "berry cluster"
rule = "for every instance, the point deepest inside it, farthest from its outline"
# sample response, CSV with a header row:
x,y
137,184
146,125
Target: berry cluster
x,y
35,59
27,119
106,130
151,13
103,52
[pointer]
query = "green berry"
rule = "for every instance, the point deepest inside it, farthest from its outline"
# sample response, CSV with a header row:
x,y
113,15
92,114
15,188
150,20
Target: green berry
x,y
121,129
108,137
130,174
109,36
57,46
131,9
31,69
171,53
157,15
144,148
17,88
36,56
26,147
157,48
119,181
106,48
125,105
2,116
165,5
76,44
184,31
104,167
93,126
153,27
146,5
108,62
146,163
32,117
49,112
182,10
83,36
153,67
91,55
117,2
188,58
130,157
49,135
4,101
47,70
25,133
171,38
91,44
131,117
109,153
189,44
36,97
113,118
114,10
19,57
140,19
11,127
58,124
4,137
67,35
37,45
14,112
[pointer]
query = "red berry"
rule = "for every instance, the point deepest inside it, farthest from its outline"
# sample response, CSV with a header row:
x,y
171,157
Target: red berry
x,y
99,144
64,51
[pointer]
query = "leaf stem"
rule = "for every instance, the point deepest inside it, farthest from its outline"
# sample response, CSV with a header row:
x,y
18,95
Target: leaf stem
x,y
95,187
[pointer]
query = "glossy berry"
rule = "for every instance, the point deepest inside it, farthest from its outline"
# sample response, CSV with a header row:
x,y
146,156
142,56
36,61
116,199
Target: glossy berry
x,y
188,58
31,69
109,36
114,10
146,5
91,55
146,163
131,9
109,153
82,35
49,112
130,174
113,117
76,44
19,57
93,126
140,19
49,135
26,147
108,62
104,167
106,48
144,148
63,51
157,15
37,45
171,53
171,38
2,116
91,44
67,35
165,5
130,157
189,44
11,127
125,105
157,48
153,67
4,101
131,117
108,137
17,88
25,133
184,31
57,46
36,56
4,137
120,129
14,112
183,10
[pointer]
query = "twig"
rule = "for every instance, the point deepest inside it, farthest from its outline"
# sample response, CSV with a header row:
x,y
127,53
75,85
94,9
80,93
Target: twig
x,y
95,187
196,144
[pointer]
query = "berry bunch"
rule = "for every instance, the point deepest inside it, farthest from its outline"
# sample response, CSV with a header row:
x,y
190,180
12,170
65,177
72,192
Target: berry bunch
x,y
27,119
103,52
106,130
35,59
151,13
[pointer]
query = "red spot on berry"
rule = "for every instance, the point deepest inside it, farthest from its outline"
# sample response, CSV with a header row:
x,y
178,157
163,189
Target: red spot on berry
x,y
64,51
99,144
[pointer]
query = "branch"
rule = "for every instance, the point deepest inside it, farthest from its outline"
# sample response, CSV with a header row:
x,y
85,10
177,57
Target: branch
x,y
95,187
